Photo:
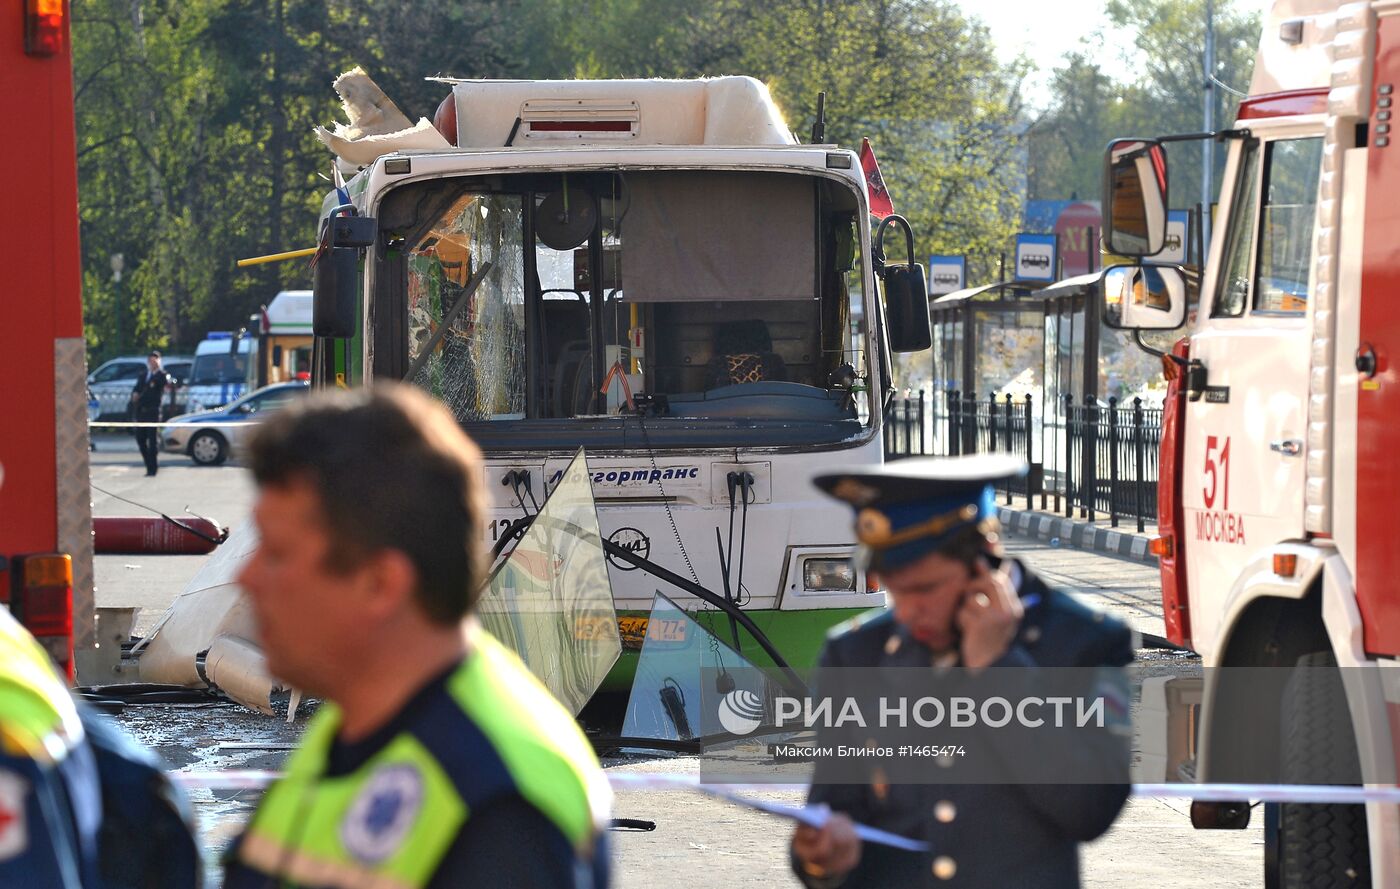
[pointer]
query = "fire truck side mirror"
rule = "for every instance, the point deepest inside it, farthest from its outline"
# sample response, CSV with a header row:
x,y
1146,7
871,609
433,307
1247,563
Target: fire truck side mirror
x,y
1143,297
1135,197
335,287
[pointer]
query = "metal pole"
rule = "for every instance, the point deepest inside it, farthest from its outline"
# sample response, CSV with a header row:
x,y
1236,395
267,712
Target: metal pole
x,y
969,422
969,348
908,429
1030,455
1069,455
1088,474
1113,462
954,445
1010,443
118,263
1208,145
991,422
1140,463
924,448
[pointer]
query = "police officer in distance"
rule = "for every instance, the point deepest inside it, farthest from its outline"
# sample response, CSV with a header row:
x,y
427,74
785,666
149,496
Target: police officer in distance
x,y
928,528
438,760
146,397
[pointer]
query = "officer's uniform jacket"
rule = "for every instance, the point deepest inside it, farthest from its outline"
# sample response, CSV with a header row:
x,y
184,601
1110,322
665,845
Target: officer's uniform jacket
x,y
81,806
998,836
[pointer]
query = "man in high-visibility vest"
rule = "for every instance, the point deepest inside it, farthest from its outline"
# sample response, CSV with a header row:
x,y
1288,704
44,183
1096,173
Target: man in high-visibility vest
x,y
80,805
438,759
50,797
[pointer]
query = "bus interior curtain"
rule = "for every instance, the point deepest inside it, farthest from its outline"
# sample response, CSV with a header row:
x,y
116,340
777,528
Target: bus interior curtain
x,y
696,236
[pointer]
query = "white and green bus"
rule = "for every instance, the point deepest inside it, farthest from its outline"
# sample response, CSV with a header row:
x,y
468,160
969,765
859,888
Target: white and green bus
x,y
658,272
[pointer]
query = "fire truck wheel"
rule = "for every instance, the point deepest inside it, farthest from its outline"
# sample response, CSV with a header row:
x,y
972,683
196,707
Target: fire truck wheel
x,y
208,448
1320,846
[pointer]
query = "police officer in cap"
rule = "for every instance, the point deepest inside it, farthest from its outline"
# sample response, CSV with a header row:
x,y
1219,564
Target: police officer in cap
x,y
928,527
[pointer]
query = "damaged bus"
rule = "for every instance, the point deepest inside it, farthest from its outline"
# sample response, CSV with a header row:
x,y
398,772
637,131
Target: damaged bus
x,y
656,272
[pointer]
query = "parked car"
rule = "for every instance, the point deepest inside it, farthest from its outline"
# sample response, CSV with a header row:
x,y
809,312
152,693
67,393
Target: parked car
x,y
94,410
113,381
211,437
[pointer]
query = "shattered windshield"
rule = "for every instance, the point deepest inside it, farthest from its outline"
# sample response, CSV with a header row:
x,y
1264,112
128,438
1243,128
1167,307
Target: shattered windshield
x,y
716,298
478,367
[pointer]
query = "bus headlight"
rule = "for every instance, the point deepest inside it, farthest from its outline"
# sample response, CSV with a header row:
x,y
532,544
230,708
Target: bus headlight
x,y
828,575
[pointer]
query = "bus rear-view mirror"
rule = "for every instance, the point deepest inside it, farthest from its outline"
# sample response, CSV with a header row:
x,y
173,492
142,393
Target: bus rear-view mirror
x,y
906,293
335,287
334,290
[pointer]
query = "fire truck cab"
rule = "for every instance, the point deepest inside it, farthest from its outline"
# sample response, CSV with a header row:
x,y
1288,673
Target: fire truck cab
x,y
1279,469
45,513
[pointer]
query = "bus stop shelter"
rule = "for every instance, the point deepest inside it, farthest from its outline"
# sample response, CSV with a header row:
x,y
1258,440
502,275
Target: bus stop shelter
x,y
1005,355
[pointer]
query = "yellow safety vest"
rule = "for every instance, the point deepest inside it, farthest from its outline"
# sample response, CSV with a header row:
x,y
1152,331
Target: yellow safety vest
x,y
38,718
389,824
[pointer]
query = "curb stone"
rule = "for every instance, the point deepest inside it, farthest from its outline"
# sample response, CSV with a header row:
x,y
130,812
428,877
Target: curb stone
x,y
1082,535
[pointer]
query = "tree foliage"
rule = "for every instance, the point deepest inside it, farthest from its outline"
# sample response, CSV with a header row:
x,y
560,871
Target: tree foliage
x,y
195,118
1089,106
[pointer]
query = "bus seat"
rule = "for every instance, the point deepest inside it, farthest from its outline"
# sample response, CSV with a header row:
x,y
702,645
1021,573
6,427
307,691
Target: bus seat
x,y
743,354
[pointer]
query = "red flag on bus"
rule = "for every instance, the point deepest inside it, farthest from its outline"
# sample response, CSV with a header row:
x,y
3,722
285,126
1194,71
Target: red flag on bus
x,y
880,203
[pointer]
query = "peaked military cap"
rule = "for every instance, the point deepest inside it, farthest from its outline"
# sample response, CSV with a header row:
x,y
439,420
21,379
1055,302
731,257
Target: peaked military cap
x,y
909,508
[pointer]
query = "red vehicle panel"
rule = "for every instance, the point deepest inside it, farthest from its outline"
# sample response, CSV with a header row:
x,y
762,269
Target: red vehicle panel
x,y
1378,398
42,279
1172,564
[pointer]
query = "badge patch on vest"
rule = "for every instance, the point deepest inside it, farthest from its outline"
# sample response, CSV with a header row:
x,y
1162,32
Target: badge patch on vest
x,y
383,813
14,834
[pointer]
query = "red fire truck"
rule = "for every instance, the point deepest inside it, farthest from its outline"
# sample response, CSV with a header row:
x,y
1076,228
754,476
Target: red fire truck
x,y
1281,457
45,516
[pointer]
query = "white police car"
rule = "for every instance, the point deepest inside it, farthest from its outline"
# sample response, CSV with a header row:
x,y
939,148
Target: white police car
x,y
209,437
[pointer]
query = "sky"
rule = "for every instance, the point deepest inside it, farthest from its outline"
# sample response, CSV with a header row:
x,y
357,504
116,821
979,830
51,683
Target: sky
x,y
1043,31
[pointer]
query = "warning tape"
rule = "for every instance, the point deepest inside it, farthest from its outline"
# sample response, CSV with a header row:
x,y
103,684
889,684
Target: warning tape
x,y
132,424
816,816
1318,794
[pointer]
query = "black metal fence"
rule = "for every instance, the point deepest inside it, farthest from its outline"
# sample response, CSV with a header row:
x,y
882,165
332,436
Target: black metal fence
x,y
907,428
1097,458
1112,459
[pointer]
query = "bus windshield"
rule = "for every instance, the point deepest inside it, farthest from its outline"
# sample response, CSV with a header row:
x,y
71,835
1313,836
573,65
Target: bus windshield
x,y
695,301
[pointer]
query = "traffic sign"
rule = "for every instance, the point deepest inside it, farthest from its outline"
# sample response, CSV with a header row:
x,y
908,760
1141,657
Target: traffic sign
x,y
1035,258
946,274
1174,246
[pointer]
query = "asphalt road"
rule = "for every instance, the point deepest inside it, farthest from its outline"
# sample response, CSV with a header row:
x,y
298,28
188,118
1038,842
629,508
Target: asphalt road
x,y
120,488
698,841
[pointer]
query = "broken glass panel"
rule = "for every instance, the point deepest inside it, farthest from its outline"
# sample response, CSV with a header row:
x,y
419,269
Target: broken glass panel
x,y
478,368
684,674
551,602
